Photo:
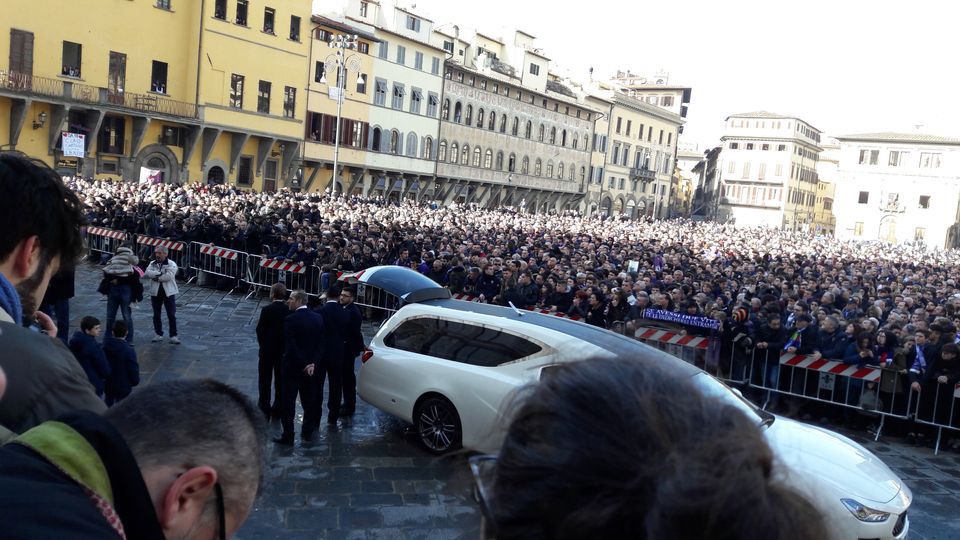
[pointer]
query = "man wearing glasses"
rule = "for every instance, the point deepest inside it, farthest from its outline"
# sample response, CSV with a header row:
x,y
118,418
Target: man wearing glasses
x,y
177,459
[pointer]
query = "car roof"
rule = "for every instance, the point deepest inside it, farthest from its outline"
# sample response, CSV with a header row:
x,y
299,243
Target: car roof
x,y
617,344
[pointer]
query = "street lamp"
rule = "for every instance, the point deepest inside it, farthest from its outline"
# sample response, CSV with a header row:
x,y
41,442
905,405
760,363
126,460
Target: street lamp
x,y
339,60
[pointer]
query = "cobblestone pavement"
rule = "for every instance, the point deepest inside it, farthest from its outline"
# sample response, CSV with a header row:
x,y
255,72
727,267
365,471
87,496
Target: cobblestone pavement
x,y
369,479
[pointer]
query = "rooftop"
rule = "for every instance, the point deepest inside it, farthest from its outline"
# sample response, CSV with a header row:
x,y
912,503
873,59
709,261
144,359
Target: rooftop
x,y
761,114
890,136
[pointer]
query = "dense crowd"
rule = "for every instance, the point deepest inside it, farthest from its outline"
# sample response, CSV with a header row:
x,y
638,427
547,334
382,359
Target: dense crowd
x,y
867,302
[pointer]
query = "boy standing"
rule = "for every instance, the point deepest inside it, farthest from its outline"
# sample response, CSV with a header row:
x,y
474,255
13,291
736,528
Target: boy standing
x,y
124,369
89,353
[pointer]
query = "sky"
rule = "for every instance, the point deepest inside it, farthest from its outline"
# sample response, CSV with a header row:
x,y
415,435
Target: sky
x,y
845,66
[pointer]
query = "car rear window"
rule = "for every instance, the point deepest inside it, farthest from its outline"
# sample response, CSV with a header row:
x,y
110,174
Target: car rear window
x,y
460,342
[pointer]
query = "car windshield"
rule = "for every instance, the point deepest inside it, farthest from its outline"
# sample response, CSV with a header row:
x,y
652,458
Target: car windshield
x,y
713,388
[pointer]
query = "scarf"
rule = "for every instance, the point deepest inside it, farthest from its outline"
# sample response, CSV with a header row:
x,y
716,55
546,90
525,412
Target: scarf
x,y
10,300
920,364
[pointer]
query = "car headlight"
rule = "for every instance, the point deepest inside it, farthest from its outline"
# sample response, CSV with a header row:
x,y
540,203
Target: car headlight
x,y
865,513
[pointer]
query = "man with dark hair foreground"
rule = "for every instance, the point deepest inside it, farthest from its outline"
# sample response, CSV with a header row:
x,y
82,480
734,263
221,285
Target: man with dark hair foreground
x,y
178,459
40,219
616,449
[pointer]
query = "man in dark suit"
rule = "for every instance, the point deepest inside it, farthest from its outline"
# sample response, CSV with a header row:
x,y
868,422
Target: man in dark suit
x,y
270,339
352,347
303,347
335,321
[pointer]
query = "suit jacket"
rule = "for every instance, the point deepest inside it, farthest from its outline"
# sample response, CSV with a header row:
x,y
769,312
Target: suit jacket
x,y
303,339
354,343
270,329
336,322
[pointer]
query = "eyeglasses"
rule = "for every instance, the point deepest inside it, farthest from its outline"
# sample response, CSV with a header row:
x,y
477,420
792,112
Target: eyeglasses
x,y
220,512
482,468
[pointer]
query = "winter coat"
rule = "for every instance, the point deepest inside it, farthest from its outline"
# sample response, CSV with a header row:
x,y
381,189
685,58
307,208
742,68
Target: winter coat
x,y
122,263
124,369
162,275
92,359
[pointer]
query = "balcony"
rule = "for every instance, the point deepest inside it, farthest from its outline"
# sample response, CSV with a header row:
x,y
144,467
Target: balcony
x,y
32,85
644,174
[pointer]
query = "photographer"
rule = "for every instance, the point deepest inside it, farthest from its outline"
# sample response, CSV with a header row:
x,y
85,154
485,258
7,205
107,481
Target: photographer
x,y
162,273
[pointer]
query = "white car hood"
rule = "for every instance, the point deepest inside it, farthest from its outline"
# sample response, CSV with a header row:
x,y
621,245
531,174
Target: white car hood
x,y
831,460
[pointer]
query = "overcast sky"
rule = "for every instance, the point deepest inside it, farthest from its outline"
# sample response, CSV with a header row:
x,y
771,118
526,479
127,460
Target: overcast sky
x,y
845,66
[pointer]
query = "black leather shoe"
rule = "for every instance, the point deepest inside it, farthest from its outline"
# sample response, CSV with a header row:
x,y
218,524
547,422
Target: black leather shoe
x,y
347,411
286,440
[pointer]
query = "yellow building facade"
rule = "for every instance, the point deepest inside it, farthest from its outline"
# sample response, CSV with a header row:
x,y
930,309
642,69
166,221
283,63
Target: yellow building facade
x,y
170,90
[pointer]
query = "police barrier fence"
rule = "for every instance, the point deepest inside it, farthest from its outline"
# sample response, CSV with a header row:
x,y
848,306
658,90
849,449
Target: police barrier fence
x,y
104,241
937,405
209,260
264,272
176,250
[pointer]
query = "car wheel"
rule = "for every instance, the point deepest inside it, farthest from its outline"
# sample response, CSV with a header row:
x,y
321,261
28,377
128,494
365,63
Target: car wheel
x,y
438,425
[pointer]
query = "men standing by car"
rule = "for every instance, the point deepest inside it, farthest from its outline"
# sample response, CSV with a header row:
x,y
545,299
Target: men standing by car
x,y
270,339
354,345
302,350
335,323
162,274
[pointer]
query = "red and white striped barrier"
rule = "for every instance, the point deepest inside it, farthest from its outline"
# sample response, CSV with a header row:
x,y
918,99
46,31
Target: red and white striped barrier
x,y
554,313
154,242
284,266
223,253
109,233
465,297
866,373
673,338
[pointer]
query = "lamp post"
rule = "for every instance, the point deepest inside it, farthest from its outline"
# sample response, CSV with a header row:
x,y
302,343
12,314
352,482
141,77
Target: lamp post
x,y
341,61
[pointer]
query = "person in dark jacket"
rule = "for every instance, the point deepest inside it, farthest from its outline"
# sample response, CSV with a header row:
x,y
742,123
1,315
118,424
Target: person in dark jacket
x,y
525,294
56,303
351,348
89,353
336,321
123,474
769,342
124,369
270,339
488,286
303,349
832,342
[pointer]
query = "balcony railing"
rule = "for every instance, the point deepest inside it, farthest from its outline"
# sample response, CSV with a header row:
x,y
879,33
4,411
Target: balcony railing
x,y
643,174
23,83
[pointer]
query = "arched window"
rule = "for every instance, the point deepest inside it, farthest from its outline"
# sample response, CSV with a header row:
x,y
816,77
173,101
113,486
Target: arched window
x,y
575,139
549,169
538,167
563,138
583,174
376,139
529,132
427,148
516,125
542,132
411,147
442,151
512,164
465,155
476,157
457,112
499,161
560,170
468,119
454,156
488,159
445,113
573,172
553,135
586,142
525,165
394,142
493,121
503,124
480,118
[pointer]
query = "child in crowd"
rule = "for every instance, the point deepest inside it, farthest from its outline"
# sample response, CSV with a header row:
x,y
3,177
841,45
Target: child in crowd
x,y
124,369
88,352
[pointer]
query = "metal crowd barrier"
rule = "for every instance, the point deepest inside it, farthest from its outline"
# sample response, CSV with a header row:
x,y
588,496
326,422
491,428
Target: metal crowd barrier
x,y
700,351
104,241
940,411
264,272
377,304
176,250
207,259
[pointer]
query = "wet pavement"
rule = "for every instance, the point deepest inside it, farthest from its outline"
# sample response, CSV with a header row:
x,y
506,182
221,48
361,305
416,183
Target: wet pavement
x,y
369,478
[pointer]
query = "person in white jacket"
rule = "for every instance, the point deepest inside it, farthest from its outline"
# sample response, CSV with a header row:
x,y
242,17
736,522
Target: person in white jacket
x,y
162,273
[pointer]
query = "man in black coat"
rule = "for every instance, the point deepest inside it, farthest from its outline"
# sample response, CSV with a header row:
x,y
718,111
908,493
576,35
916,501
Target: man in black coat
x,y
352,347
303,348
56,302
335,323
270,339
